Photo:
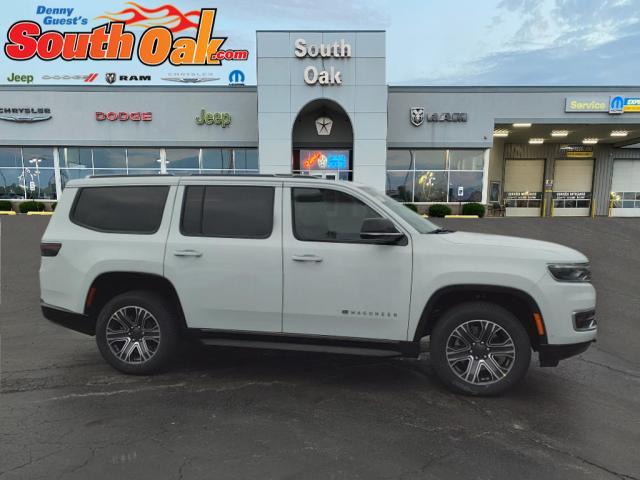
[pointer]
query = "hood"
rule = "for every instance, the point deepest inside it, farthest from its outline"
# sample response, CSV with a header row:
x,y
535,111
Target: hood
x,y
515,246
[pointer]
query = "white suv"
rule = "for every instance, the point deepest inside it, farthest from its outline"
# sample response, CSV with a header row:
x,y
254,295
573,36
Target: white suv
x,y
301,263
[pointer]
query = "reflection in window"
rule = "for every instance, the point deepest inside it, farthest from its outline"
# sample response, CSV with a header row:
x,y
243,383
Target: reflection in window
x,y
76,157
430,159
40,157
400,186
183,158
246,159
112,158
465,186
38,175
466,159
217,159
435,175
143,158
399,160
10,173
430,186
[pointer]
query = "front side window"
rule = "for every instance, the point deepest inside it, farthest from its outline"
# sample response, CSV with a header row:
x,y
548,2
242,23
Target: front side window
x,y
324,215
228,211
128,209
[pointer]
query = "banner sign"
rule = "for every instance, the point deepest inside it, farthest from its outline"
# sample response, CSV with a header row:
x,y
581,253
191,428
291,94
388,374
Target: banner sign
x,y
523,195
120,42
571,195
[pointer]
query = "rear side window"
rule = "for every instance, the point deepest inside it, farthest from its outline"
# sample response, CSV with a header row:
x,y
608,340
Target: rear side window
x,y
130,209
227,211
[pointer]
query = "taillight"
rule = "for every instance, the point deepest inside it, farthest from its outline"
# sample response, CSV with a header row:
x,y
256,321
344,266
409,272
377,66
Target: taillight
x,y
50,249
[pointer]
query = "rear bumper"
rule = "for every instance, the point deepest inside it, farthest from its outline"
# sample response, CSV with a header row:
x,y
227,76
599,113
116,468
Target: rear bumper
x,y
550,355
71,320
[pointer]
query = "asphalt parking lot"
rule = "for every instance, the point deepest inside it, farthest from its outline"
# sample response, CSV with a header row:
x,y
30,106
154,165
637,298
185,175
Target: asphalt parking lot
x,y
229,414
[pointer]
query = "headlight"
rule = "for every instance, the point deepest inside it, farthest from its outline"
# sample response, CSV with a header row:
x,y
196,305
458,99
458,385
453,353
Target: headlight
x,y
571,272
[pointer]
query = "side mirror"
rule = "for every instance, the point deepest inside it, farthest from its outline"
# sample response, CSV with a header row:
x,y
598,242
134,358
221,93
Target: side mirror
x,y
380,230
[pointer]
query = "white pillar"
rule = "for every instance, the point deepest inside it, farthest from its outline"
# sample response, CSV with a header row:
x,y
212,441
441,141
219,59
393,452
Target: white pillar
x,y
485,175
56,168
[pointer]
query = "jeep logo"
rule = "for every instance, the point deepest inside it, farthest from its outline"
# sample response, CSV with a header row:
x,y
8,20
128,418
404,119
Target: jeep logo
x,y
214,118
14,77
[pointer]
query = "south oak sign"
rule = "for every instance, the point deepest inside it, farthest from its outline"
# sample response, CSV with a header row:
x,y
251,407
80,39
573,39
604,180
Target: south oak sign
x,y
111,41
311,74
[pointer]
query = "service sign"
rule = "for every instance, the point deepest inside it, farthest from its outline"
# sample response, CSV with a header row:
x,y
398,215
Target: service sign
x,y
119,42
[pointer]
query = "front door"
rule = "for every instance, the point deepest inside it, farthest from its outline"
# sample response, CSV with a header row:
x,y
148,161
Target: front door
x,y
224,255
335,283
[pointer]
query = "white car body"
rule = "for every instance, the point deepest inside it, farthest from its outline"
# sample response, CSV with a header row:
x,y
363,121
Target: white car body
x,y
373,292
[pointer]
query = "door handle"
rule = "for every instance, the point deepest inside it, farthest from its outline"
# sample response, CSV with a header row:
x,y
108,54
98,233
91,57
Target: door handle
x,y
306,258
187,253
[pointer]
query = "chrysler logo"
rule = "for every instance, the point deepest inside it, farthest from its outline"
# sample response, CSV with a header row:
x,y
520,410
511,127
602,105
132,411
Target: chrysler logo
x,y
323,125
190,79
25,115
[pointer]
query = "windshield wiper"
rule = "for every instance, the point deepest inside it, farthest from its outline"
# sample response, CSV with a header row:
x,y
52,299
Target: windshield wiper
x,y
441,230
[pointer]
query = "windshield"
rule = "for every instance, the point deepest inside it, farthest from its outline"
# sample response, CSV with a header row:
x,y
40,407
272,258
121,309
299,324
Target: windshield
x,y
418,222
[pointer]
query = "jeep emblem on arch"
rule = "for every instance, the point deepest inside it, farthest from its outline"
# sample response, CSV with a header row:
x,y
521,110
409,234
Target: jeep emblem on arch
x,y
486,302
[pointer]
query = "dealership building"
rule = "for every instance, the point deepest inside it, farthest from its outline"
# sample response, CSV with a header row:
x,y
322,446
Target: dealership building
x,y
322,106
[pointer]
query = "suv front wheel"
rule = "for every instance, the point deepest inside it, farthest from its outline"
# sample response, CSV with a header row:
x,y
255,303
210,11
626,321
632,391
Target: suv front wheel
x,y
479,348
137,332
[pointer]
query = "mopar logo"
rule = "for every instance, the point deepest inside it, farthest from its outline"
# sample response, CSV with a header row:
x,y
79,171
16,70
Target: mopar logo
x,y
236,77
616,104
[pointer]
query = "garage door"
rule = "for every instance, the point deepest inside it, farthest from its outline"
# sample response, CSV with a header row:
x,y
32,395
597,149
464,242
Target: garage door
x,y
523,187
572,183
625,186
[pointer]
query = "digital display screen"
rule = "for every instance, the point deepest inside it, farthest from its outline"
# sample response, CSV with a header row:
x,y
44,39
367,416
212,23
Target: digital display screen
x,y
324,159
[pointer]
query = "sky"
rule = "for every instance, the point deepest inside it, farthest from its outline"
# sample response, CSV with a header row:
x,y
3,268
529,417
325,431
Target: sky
x,y
429,42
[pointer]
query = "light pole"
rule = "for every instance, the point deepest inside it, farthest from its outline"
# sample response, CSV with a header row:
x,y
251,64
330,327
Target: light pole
x,y
36,162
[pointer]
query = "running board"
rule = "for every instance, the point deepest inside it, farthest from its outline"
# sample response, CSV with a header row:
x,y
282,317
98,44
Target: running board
x,y
308,343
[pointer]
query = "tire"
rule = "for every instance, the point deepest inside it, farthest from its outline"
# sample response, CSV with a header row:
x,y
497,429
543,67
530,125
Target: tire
x,y
129,347
479,348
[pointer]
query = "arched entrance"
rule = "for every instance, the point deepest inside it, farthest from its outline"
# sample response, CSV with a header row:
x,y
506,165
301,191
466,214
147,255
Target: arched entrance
x,y
322,141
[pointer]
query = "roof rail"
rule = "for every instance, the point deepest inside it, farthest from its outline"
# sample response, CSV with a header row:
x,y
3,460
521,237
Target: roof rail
x,y
124,175
254,175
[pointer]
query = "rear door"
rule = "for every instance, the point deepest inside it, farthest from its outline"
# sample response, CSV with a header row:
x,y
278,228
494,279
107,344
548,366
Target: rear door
x,y
224,254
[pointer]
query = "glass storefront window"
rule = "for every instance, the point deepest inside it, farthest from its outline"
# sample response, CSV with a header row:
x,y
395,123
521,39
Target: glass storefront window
x,y
220,159
108,171
43,157
428,175
465,186
399,160
183,158
138,158
111,158
430,186
76,157
38,175
10,173
10,157
466,159
246,159
400,186
430,159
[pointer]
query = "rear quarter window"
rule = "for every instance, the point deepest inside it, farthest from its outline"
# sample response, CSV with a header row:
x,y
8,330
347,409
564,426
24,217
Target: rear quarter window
x,y
127,209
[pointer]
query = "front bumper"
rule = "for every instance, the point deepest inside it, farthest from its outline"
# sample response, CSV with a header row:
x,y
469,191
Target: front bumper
x,y
550,355
72,320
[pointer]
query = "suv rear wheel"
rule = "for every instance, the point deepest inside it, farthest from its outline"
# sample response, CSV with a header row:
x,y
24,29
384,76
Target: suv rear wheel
x,y
137,332
480,348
